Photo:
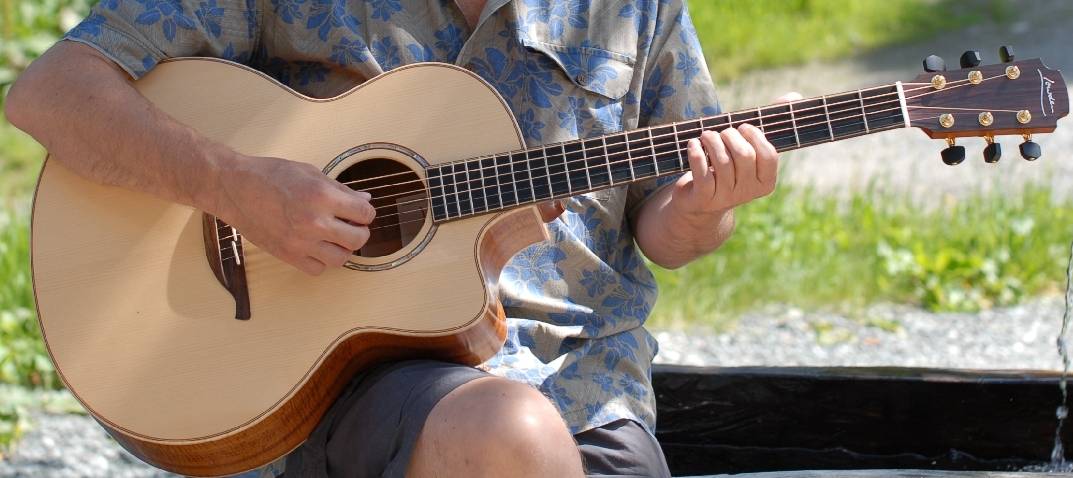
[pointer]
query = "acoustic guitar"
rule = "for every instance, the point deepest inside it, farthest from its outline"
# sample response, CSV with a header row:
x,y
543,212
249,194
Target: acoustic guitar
x,y
204,355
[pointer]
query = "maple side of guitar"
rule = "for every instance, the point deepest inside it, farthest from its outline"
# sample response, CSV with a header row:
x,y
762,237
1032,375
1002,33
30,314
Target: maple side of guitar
x,y
145,336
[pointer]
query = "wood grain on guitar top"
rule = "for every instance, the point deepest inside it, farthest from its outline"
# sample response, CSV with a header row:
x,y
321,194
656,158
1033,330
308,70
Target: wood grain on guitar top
x,y
143,333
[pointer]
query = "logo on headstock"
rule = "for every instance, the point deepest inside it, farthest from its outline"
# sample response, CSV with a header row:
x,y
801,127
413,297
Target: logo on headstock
x,y
1045,91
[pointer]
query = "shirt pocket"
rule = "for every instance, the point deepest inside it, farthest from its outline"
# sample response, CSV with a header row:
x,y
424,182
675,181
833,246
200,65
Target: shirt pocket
x,y
595,82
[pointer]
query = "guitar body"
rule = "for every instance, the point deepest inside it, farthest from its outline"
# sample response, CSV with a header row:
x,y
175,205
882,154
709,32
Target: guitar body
x,y
144,333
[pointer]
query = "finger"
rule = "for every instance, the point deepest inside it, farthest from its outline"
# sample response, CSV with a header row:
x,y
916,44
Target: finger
x,y
723,167
331,254
767,158
788,97
703,185
354,206
347,235
741,154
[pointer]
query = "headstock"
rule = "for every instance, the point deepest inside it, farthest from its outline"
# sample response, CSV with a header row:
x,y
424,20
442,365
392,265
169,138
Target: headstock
x,y
1011,98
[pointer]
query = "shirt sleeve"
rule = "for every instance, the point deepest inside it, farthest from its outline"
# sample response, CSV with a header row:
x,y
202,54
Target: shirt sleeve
x,y
138,34
677,86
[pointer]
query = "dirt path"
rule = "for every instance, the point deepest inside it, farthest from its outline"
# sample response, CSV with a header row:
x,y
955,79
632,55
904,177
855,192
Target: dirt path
x,y
906,159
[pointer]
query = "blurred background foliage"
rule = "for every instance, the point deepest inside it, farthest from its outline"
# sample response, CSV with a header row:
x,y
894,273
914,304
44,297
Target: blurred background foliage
x,y
797,247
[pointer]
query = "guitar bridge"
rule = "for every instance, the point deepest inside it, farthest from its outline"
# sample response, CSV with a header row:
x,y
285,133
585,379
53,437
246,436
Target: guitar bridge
x,y
223,249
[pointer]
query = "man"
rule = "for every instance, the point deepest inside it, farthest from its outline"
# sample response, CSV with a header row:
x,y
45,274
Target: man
x,y
577,396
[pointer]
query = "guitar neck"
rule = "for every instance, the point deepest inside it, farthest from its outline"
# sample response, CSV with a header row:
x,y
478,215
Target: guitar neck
x,y
503,181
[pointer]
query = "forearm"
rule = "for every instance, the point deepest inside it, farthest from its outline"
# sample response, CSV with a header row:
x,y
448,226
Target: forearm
x,y
90,118
671,238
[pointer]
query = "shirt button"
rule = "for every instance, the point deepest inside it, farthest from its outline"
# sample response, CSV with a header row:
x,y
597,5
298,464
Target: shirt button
x,y
582,79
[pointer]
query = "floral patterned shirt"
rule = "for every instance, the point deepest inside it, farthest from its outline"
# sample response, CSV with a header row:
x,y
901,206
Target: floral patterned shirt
x,y
576,305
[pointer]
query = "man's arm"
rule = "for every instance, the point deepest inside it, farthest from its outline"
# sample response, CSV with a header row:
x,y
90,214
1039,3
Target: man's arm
x,y
86,112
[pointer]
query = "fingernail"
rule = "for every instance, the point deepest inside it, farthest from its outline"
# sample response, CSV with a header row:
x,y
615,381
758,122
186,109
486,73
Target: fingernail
x,y
364,195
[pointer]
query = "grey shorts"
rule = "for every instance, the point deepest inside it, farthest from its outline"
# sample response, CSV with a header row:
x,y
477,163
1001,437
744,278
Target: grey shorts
x,y
383,410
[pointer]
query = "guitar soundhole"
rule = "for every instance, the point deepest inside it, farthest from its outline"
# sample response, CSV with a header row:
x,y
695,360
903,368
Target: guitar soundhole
x,y
400,199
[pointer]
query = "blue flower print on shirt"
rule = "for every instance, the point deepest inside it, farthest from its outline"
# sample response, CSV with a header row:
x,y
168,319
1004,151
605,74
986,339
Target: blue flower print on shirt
x,y
641,11
555,13
209,14
348,51
604,380
594,67
652,96
90,27
631,387
384,9
574,117
326,15
616,347
498,71
420,52
537,84
596,281
230,55
109,4
608,115
689,112
688,65
386,53
288,10
599,413
530,125
535,265
251,19
169,13
449,40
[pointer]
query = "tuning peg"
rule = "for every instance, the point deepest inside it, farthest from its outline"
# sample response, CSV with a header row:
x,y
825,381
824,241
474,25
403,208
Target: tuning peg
x,y
993,151
1005,52
933,63
1030,150
970,59
953,155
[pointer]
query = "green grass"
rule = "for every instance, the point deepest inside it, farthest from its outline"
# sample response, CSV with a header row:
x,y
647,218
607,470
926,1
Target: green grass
x,y
815,251
739,36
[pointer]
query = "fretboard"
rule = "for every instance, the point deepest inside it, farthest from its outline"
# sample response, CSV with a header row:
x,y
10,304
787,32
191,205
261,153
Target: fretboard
x,y
486,184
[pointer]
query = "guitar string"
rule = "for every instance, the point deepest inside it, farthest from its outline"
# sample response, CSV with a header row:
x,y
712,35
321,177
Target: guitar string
x,y
731,123
676,151
629,149
817,108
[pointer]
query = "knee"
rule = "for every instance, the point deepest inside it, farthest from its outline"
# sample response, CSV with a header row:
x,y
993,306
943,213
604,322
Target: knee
x,y
489,424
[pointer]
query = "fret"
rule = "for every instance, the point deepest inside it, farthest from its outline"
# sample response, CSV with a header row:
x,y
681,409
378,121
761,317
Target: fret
x,y
782,134
864,114
476,186
577,170
665,149
522,176
793,124
652,149
844,116
760,118
689,129
538,174
436,195
678,149
505,175
827,117
450,188
596,163
607,160
812,127
465,204
642,164
557,168
618,159
490,184
882,110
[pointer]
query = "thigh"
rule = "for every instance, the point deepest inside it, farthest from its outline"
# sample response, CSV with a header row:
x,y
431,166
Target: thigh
x,y
621,448
373,426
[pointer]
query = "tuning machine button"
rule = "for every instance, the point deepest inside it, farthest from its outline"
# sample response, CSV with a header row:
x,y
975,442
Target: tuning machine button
x,y
993,150
953,155
970,59
933,63
1030,150
1005,52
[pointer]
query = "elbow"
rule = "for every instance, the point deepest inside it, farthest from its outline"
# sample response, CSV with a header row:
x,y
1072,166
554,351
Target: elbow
x,y
17,104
